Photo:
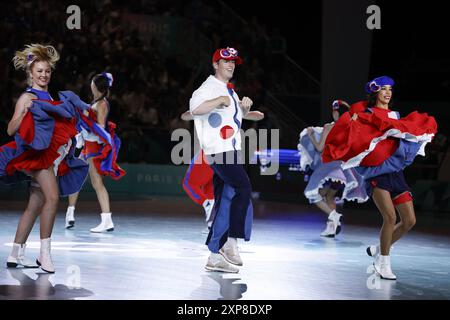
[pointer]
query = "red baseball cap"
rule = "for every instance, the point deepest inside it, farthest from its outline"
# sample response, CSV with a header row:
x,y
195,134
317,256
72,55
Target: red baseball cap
x,y
226,54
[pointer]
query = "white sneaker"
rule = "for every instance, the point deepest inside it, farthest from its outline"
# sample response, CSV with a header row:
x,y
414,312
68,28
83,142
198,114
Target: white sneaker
x,y
382,266
105,225
329,230
45,258
70,217
217,263
208,205
17,258
230,252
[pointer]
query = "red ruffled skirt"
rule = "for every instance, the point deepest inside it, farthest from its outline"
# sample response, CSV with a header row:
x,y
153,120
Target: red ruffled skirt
x,y
32,160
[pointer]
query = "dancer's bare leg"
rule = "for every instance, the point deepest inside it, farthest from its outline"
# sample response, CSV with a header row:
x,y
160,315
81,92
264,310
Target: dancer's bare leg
x,y
330,196
99,187
73,198
49,187
383,201
323,204
407,220
28,218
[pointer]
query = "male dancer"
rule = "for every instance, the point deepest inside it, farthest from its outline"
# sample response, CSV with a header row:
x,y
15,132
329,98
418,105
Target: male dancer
x,y
198,180
218,114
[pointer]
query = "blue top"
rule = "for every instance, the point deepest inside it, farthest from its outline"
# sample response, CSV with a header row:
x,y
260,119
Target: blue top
x,y
42,95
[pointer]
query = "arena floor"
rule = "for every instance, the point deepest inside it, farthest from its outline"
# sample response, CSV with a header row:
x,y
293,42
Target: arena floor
x,y
157,251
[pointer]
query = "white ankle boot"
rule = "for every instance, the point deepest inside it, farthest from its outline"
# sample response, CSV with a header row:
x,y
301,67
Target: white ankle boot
x,y
45,258
374,251
105,225
335,217
329,230
17,257
70,217
382,266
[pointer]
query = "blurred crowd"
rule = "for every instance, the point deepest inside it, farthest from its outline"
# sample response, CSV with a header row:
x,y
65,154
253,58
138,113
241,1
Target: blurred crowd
x,y
151,89
152,86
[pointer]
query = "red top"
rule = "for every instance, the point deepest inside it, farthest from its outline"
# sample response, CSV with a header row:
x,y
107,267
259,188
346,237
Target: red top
x,y
348,138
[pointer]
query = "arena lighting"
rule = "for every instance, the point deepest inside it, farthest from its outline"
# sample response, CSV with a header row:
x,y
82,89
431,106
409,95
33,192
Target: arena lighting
x,y
285,157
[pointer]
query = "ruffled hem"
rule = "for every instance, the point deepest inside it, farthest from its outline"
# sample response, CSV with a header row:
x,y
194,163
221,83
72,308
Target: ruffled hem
x,y
392,133
104,154
31,160
72,174
314,196
353,186
47,127
375,137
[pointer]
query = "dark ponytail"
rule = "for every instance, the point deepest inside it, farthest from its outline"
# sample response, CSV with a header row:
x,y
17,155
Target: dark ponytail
x,y
103,83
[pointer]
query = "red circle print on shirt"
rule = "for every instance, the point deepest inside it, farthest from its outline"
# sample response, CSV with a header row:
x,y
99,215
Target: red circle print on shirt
x,y
226,132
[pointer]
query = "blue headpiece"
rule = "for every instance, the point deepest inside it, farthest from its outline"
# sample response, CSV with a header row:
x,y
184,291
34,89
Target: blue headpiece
x,y
376,84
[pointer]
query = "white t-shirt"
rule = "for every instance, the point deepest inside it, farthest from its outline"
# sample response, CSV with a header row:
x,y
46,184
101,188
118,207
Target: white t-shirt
x,y
218,130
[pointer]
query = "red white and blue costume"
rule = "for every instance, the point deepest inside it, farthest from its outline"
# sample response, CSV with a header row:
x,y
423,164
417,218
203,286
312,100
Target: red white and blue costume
x,y
348,183
46,137
199,186
380,144
198,180
100,144
219,137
